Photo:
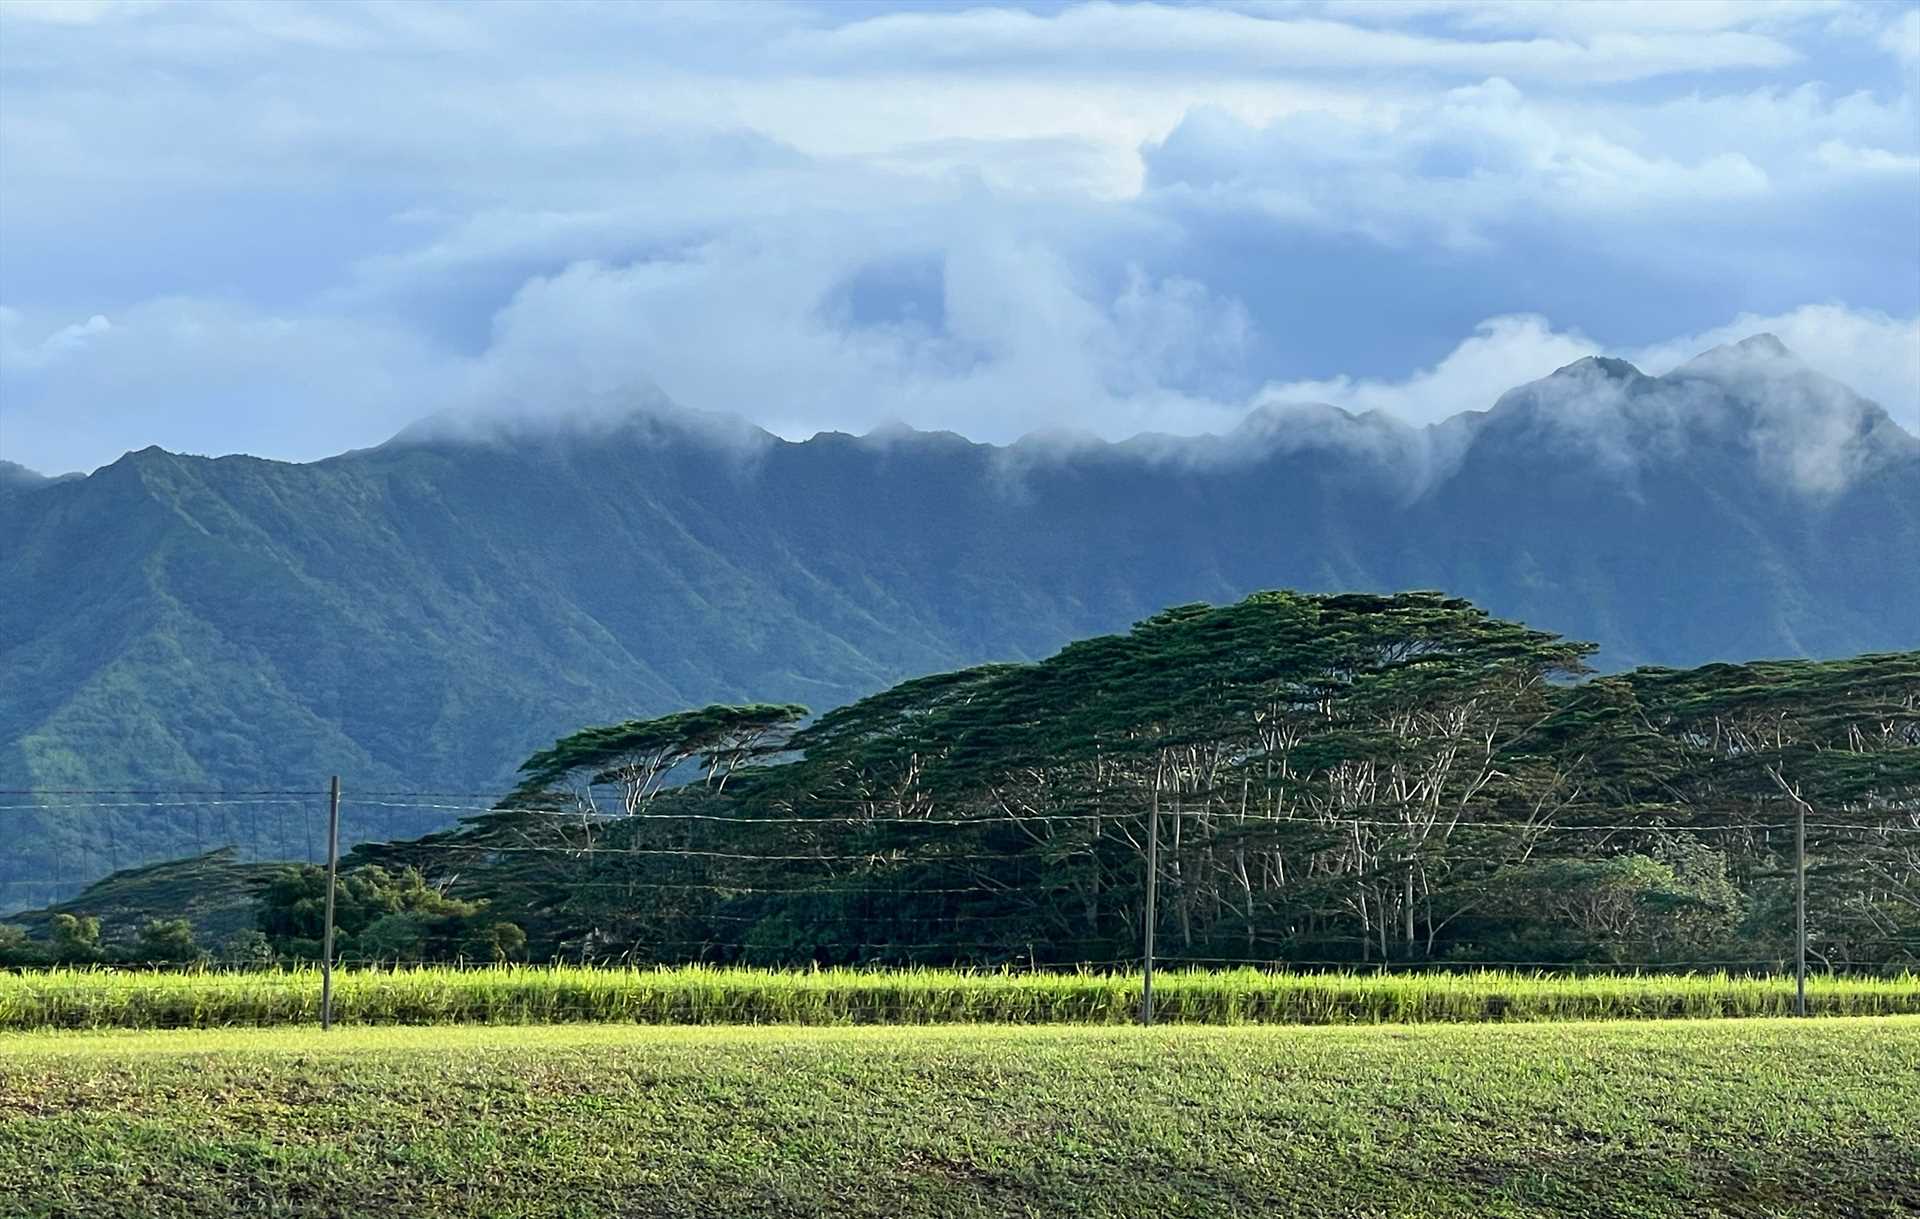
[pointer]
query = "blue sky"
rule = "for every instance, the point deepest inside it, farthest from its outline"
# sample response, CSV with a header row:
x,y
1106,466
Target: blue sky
x,y
291,229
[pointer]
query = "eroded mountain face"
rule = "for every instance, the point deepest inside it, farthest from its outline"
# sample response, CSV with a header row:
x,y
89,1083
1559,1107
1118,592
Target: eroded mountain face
x,y
426,612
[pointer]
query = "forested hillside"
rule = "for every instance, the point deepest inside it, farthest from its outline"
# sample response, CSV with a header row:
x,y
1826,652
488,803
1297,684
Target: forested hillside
x,y
421,615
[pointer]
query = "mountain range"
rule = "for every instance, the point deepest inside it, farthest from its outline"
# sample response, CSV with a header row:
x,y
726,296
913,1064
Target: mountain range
x,y
420,615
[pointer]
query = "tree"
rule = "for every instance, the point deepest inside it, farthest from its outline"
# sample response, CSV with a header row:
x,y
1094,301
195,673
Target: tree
x,y
17,948
501,942
399,938
1333,778
247,947
638,756
76,938
382,914
1834,742
168,940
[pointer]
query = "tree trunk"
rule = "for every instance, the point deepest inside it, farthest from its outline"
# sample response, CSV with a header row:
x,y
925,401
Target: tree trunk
x,y
1409,910
1366,928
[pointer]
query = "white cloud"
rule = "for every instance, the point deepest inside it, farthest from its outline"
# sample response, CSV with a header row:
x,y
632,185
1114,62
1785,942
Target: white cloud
x,y
1590,17
75,12
742,327
1876,355
578,102
307,215
17,351
1021,344
1901,38
1780,128
207,377
1867,160
1152,34
1503,352
1807,432
1442,170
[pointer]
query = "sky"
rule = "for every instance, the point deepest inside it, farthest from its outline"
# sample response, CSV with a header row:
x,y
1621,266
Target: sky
x,y
291,229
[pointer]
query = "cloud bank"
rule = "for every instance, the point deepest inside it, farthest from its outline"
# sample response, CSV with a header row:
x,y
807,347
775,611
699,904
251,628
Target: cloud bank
x,y
294,229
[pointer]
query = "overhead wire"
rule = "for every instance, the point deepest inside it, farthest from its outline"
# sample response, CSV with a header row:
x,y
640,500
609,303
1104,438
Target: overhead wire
x,y
222,804
1896,822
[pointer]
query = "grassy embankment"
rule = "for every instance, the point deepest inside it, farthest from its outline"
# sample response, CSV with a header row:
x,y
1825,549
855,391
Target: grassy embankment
x,y
1732,1118
83,999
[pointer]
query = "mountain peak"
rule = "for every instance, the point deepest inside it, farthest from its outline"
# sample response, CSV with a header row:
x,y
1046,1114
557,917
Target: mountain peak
x,y
891,428
1763,344
1574,389
1272,416
1601,366
1754,349
891,432
648,421
13,474
1061,437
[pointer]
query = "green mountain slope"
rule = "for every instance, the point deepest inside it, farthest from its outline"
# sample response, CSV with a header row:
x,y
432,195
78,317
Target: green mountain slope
x,y
419,616
216,892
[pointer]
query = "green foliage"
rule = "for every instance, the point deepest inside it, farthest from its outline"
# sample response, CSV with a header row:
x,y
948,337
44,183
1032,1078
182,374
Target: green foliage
x,y
216,892
1632,906
17,948
76,938
500,943
395,937
168,940
379,915
639,755
1336,779
247,948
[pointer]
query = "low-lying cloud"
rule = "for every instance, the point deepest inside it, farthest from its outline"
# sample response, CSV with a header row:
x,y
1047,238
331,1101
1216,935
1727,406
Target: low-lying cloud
x,y
1875,355
1100,219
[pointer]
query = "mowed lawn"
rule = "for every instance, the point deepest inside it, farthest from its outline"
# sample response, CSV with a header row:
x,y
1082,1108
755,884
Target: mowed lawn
x,y
1694,1118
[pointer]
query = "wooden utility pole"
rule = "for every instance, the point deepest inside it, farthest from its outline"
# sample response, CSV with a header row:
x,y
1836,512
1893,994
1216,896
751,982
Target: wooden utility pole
x,y
1800,908
333,869
1153,890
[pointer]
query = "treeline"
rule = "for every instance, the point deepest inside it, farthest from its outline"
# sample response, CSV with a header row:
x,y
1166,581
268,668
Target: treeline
x,y
74,939
1330,780
378,917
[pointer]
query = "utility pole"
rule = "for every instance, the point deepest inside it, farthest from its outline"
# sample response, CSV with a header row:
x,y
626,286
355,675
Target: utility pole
x,y
1153,889
1800,907
333,869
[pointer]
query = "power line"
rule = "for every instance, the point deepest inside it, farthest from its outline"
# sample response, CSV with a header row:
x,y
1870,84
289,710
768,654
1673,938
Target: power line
x,y
195,804
156,791
1226,819
865,857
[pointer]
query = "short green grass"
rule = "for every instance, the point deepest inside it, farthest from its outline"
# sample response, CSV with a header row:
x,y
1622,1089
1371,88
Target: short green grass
x,y
84,999
1702,1118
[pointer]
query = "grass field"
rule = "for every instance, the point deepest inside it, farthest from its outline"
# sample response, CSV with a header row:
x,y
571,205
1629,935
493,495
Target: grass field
x,y
1703,1118
83,999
